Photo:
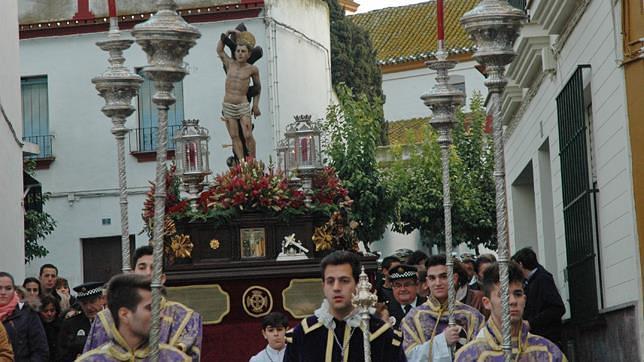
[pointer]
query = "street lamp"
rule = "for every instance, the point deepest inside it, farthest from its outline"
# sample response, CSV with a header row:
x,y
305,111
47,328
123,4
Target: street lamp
x,y
117,85
494,25
192,158
166,38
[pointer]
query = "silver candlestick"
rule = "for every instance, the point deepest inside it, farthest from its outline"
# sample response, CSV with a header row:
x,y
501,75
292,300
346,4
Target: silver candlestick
x,y
166,38
443,100
494,25
364,300
117,85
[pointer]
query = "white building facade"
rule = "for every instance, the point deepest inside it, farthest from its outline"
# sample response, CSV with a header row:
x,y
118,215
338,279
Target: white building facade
x,y
569,171
11,145
57,66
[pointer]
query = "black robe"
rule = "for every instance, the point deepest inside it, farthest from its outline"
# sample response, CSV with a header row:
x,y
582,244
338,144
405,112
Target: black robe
x,y
311,341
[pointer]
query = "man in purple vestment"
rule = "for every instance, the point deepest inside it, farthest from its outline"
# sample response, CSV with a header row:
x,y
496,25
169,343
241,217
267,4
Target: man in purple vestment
x,y
426,334
526,347
180,326
129,299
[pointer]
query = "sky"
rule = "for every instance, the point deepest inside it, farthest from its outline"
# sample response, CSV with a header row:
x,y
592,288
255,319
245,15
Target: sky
x,y
368,5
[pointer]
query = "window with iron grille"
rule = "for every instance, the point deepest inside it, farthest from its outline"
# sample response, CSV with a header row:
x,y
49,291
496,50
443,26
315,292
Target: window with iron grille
x,y
146,134
574,114
35,115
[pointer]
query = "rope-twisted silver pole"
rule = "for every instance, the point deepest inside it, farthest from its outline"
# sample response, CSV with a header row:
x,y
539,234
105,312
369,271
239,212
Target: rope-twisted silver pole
x,y
119,133
163,98
166,38
447,207
118,86
496,83
494,25
443,100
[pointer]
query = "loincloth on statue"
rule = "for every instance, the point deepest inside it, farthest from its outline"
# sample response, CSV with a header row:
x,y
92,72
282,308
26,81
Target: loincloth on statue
x,y
235,111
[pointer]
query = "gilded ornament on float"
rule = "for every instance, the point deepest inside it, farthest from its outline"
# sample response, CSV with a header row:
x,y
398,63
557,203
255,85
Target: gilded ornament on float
x,y
322,239
181,246
257,301
214,244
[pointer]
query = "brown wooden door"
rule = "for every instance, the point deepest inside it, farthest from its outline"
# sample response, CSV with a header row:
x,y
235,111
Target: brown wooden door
x,y
102,257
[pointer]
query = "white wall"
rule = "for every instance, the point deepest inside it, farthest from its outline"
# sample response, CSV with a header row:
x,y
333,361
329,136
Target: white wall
x,y
591,42
11,222
84,148
403,89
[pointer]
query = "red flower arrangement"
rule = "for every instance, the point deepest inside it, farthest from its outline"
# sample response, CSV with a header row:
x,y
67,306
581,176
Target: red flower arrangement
x,y
250,186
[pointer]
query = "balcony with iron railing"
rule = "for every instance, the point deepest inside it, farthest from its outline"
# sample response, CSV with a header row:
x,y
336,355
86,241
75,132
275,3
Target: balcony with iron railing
x,y
46,155
143,142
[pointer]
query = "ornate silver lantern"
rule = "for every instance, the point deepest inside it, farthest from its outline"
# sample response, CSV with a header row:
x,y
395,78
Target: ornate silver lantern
x,y
166,38
192,158
364,300
303,139
494,25
117,85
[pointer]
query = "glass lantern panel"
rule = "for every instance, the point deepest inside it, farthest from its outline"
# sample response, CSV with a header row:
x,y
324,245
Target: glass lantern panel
x,y
191,157
205,162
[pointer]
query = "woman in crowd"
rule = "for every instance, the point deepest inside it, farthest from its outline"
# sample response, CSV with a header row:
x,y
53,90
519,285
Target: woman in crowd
x,y
49,315
23,326
32,292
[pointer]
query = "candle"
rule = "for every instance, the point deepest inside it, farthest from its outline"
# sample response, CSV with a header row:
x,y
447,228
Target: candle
x,y
192,156
111,5
439,21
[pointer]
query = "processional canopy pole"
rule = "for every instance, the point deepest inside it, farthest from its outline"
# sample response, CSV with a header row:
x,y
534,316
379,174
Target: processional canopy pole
x,y
494,25
364,300
118,85
166,38
443,100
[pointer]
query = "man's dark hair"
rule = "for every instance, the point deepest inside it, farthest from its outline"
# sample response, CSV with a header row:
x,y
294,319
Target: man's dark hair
x,y
275,319
461,272
340,257
436,260
526,257
417,257
48,266
491,277
386,262
7,275
422,275
123,292
468,260
50,299
484,259
141,251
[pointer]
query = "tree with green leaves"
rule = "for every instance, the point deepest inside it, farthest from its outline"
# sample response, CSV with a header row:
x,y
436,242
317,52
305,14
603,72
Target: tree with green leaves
x,y
38,224
352,130
353,62
414,179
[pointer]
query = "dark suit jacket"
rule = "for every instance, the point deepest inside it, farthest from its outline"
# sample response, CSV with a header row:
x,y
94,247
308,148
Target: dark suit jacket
x,y
396,310
544,307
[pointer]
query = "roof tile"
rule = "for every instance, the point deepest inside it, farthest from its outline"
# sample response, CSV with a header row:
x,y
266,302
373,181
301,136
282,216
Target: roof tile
x,y
407,33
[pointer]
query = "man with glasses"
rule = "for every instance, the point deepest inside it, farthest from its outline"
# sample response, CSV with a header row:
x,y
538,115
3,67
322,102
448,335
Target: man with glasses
x,y
404,281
